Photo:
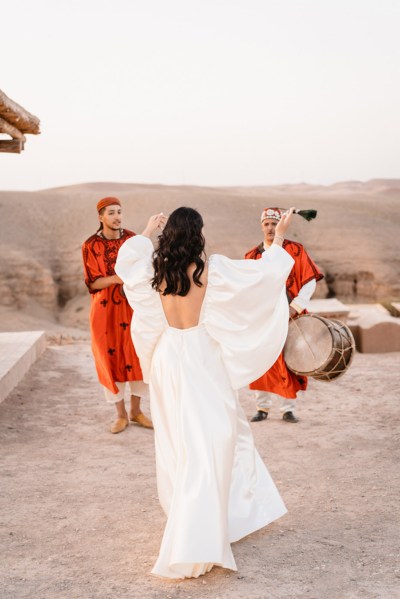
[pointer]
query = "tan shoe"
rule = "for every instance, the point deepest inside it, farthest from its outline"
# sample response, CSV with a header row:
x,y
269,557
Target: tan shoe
x,y
142,420
119,425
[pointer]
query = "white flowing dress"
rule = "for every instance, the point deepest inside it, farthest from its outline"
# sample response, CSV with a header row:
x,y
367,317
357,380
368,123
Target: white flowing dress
x,y
212,484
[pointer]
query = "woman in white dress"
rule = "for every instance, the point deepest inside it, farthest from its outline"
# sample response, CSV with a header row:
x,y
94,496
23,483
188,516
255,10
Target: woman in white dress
x,y
202,330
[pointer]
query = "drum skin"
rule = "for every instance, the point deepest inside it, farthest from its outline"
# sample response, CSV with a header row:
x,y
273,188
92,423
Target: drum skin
x,y
318,347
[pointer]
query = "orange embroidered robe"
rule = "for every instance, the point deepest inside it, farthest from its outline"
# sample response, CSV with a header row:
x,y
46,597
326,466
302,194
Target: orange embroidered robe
x,y
279,379
110,315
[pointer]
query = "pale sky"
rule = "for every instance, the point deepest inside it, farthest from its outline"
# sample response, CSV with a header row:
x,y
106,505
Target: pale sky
x,y
203,92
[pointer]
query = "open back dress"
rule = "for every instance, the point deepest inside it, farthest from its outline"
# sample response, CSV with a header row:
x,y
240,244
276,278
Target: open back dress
x,y
212,484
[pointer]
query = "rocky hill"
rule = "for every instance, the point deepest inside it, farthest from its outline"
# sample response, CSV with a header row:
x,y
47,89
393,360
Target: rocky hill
x,y
355,238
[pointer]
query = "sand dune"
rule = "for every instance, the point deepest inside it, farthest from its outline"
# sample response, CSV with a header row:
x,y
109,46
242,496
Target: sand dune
x,y
354,238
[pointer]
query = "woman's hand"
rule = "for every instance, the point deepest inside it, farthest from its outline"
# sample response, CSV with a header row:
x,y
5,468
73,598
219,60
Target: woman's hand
x,y
157,221
284,223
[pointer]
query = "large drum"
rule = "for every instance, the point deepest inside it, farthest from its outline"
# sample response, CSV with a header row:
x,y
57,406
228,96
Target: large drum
x,y
318,347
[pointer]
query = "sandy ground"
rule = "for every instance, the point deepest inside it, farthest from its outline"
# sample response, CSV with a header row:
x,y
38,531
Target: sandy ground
x,y
80,516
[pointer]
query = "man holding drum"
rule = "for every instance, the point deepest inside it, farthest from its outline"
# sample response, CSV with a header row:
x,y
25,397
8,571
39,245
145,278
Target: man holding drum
x,y
279,380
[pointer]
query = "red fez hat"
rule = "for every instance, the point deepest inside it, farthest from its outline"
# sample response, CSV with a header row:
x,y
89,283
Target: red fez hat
x,y
107,202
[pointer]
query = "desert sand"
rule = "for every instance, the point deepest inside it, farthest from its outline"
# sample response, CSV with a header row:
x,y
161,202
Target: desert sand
x,y
80,517
79,511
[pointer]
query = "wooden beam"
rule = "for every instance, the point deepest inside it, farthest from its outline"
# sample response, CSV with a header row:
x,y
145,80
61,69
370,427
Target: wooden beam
x,y
14,146
12,131
18,116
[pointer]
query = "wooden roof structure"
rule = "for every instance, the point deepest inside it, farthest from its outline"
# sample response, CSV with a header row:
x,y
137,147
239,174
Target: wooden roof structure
x,y
15,121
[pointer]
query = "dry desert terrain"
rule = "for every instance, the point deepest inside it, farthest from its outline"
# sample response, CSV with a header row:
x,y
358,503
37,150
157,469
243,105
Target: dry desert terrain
x,y
79,512
355,239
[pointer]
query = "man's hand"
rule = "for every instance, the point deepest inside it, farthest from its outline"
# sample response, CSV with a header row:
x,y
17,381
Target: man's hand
x,y
104,282
292,312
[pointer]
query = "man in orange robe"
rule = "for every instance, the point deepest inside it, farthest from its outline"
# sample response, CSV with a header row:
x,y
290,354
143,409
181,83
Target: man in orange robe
x,y
110,317
300,286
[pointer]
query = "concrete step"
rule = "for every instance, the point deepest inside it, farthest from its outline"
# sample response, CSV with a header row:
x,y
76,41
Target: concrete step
x,y
329,308
375,330
395,308
18,351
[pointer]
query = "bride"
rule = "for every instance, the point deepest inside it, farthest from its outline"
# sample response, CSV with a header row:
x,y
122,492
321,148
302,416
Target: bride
x,y
203,329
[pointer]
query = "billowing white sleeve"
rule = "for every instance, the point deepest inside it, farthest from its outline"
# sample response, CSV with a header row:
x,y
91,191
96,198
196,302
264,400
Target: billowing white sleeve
x,y
246,311
134,267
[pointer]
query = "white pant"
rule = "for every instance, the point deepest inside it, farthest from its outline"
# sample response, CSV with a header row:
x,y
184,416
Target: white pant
x,y
138,388
264,401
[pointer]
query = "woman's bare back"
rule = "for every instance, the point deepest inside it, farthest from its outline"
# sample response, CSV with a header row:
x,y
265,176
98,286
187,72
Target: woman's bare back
x,y
183,312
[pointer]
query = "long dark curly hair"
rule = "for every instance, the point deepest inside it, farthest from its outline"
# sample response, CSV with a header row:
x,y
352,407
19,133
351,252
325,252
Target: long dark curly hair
x,y
180,244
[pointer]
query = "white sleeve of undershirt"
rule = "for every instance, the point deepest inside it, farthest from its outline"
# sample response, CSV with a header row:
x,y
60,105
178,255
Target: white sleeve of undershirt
x,y
301,301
